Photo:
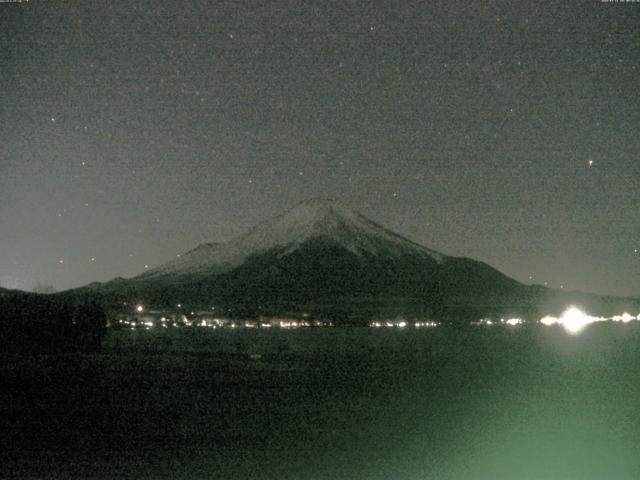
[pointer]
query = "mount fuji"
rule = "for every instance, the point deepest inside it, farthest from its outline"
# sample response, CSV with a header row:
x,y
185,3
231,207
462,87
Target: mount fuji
x,y
323,221
324,259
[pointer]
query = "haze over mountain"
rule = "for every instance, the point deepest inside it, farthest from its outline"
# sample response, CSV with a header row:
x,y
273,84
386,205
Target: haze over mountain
x,y
322,258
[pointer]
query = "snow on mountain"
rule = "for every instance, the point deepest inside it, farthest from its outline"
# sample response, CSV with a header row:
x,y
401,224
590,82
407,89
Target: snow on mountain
x,y
314,219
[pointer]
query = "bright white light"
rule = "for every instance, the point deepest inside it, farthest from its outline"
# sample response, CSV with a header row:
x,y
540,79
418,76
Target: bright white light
x,y
139,309
574,320
549,320
425,324
402,324
514,321
626,318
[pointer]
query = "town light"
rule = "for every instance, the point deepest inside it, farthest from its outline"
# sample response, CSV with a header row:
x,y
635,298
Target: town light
x,y
574,320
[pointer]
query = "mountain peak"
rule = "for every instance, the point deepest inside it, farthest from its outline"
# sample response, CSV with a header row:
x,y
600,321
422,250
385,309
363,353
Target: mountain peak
x,y
316,212
319,203
318,208
315,219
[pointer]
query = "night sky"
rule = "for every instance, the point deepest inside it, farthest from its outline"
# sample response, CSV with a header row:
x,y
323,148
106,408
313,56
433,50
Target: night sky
x,y
502,131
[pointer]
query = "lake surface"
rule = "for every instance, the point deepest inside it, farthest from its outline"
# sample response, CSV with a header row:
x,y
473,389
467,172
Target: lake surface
x,y
525,402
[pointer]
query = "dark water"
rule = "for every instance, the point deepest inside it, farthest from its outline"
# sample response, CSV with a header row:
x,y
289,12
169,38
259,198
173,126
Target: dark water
x,y
480,403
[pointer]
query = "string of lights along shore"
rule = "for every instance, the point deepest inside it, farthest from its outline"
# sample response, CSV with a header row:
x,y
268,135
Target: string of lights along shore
x,y
501,131
573,320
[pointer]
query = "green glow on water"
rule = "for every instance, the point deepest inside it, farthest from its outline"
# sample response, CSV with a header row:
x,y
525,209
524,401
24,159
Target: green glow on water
x,y
496,404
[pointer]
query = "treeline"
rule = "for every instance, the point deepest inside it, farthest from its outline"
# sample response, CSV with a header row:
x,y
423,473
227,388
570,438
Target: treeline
x,y
49,324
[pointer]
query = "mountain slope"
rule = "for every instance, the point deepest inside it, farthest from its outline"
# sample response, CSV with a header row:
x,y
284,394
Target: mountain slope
x,y
324,259
316,219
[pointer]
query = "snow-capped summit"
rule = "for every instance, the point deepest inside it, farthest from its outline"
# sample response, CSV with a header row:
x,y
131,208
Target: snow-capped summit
x,y
320,219
330,220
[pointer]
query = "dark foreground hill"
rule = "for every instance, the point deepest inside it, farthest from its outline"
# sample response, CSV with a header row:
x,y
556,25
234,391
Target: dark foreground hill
x,y
35,323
